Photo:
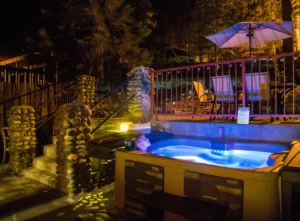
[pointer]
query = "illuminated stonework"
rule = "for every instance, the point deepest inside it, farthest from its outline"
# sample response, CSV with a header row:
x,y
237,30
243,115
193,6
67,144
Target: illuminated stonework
x,y
85,90
72,129
139,107
22,137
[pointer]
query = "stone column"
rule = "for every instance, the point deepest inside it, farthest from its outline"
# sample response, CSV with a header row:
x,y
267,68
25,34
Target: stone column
x,y
139,108
22,137
73,130
85,90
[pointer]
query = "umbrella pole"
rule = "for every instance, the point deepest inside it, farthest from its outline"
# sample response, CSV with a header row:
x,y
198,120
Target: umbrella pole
x,y
250,35
250,47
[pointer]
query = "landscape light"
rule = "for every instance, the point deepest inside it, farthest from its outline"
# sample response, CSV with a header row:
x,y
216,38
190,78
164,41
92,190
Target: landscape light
x,y
124,127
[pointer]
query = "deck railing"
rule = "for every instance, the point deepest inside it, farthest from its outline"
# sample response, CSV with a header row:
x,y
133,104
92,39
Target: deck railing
x,y
46,99
268,85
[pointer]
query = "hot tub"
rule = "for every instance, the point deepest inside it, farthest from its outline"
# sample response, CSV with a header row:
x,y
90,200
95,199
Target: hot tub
x,y
241,175
225,153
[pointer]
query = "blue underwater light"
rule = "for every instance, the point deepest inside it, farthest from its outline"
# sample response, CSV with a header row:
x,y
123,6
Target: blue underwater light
x,y
215,153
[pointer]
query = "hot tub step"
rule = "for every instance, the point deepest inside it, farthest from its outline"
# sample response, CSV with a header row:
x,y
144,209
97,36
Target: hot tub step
x,y
219,147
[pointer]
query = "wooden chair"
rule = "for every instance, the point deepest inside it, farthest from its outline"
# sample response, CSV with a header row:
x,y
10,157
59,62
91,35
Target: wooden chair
x,y
202,97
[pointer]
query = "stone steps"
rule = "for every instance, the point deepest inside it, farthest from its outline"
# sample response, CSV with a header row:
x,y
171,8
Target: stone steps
x,y
44,167
50,150
45,163
41,176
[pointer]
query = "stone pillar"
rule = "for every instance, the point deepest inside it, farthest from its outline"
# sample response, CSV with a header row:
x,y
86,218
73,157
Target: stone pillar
x,y
139,108
85,90
22,137
73,129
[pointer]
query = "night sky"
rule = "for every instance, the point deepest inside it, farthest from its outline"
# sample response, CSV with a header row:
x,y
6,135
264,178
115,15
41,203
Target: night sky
x,y
22,18
19,18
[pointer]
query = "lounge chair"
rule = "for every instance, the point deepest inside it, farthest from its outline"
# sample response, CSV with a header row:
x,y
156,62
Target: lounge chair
x,y
223,91
202,97
258,90
258,86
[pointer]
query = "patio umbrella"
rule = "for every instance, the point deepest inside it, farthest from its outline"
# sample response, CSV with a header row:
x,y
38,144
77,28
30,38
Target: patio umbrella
x,y
252,34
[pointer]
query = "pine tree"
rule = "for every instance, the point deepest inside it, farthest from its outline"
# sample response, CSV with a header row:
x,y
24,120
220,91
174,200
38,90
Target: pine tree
x,y
99,36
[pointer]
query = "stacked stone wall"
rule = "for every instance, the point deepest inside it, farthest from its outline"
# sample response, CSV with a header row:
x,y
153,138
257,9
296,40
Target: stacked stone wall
x,y
73,130
85,89
22,137
139,85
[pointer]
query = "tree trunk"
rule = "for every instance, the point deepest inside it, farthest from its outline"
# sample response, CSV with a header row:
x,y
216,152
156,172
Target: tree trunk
x,y
286,16
296,19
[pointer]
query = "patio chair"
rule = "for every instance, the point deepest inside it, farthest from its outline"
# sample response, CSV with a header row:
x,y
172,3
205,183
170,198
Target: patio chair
x,y
202,97
223,91
258,89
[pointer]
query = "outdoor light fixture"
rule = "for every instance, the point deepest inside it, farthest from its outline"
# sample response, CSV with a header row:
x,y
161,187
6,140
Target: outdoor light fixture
x,y
281,59
124,127
295,57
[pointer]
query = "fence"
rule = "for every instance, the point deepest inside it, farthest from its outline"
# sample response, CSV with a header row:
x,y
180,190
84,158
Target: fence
x,y
19,75
268,85
45,99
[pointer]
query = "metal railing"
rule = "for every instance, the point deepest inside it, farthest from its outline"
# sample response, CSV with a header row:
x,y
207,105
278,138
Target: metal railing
x,y
268,85
45,99
118,100
113,99
117,110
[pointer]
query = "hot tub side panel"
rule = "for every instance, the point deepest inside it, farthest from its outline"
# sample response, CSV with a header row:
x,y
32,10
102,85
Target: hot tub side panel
x,y
260,189
255,132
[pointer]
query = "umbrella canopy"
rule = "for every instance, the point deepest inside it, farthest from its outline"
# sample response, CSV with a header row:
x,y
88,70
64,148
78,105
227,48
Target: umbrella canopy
x,y
252,34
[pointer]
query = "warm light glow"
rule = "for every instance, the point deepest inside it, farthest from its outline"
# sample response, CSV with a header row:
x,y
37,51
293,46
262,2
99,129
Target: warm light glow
x,y
124,127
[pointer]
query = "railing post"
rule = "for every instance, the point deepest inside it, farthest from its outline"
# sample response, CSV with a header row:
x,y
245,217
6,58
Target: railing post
x,y
243,83
152,94
5,77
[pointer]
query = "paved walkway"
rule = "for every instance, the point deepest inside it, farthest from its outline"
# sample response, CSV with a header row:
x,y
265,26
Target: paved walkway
x,y
25,199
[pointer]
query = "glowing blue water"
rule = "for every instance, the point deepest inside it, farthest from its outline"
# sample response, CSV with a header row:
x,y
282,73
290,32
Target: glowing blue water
x,y
229,158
